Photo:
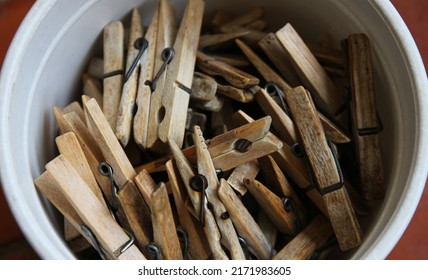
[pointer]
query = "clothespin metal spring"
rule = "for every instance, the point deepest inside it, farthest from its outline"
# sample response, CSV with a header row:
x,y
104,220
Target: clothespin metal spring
x,y
168,55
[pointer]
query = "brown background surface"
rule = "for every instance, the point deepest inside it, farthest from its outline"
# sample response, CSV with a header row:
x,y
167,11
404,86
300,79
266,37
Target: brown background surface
x,y
412,245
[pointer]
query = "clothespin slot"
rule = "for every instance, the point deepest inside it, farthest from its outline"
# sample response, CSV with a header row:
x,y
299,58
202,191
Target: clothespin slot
x,y
325,168
366,123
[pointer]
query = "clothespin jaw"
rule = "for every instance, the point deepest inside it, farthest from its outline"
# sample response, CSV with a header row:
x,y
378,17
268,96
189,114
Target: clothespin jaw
x,y
325,168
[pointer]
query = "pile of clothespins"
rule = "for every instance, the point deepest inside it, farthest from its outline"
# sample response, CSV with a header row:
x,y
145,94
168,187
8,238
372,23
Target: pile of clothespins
x,y
217,142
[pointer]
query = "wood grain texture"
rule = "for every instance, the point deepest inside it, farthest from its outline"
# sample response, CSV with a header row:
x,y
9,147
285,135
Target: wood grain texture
x,y
324,168
93,213
164,228
198,247
365,117
244,222
246,170
110,147
307,241
143,99
313,76
125,115
113,61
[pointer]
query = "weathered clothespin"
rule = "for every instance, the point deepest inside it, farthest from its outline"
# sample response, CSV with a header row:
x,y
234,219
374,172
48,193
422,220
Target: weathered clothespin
x,y
144,91
262,67
121,171
325,168
171,116
273,49
273,206
98,221
293,166
281,122
113,70
243,221
324,92
278,183
136,47
96,67
196,187
301,247
206,168
197,244
165,54
203,89
163,225
236,60
232,148
232,75
366,122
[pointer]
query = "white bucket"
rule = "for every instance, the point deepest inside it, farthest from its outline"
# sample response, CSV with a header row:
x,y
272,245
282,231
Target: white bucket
x,y
46,58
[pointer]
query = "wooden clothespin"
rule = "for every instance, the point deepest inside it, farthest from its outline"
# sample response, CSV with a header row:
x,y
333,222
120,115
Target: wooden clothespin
x,y
325,168
274,207
195,187
232,148
278,183
236,60
113,70
293,166
273,49
144,91
246,170
325,93
335,134
268,228
307,241
179,75
71,122
121,171
233,75
197,243
243,221
262,67
214,105
206,168
136,47
69,146
166,33
163,225
281,122
366,122
113,240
